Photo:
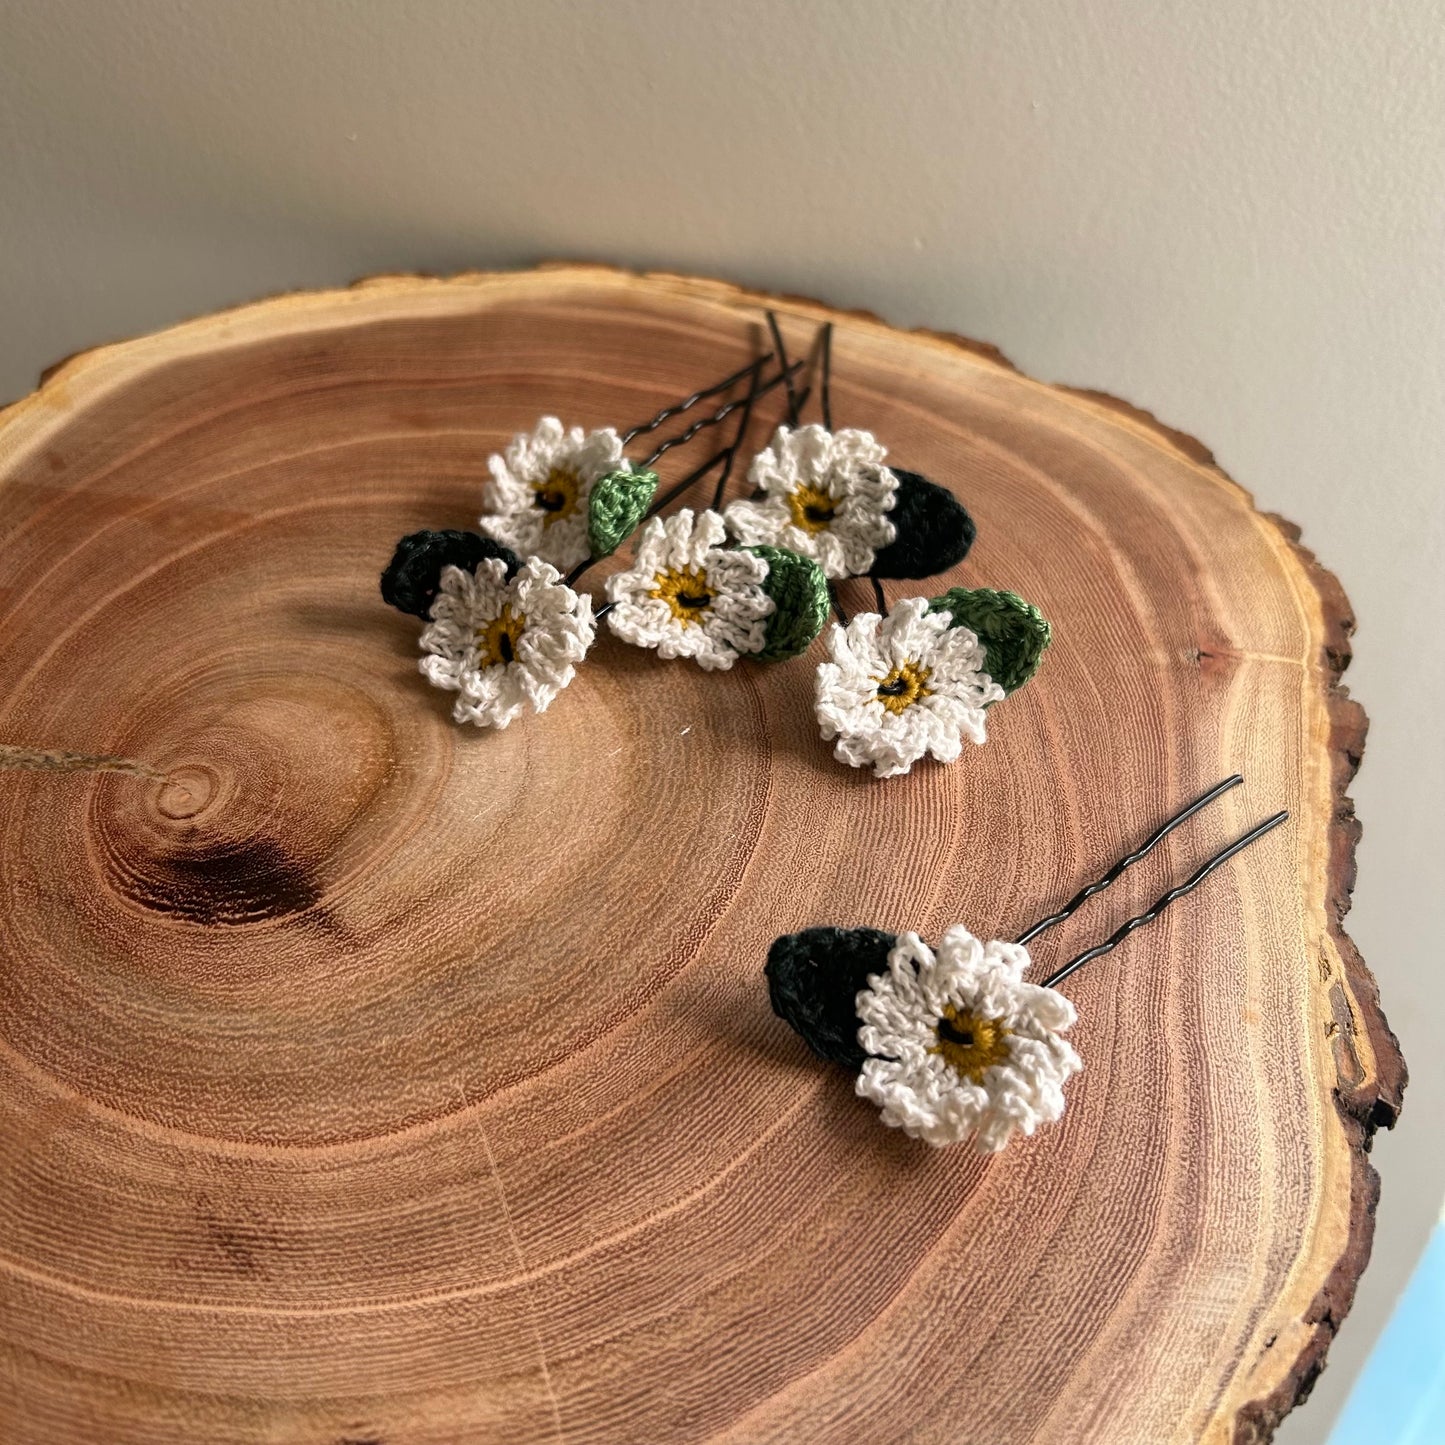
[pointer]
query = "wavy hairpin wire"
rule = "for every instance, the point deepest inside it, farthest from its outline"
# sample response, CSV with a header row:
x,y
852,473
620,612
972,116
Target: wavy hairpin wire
x,y
744,421
795,403
1160,904
687,403
825,392
1129,859
785,376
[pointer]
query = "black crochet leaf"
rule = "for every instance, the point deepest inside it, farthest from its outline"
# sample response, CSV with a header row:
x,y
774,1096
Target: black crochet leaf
x,y
414,573
813,979
934,530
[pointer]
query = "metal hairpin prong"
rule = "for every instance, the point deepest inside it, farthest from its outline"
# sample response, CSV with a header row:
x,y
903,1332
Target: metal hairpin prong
x,y
743,423
795,405
726,455
696,474
879,597
721,414
1158,907
687,403
825,382
1129,859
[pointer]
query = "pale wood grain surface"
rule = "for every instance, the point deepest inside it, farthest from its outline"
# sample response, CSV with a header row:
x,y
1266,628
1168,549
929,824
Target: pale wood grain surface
x,y
367,1080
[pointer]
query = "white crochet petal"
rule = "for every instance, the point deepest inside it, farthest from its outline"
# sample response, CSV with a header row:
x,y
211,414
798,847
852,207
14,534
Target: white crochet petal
x,y
512,514
846,467
760,521
906,1074
558,629
948,709
732,624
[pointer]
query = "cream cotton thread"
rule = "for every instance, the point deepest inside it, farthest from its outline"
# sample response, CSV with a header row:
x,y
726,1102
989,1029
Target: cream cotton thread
x,y
847,467
907,1075
866,652
513,516
734,620
558,629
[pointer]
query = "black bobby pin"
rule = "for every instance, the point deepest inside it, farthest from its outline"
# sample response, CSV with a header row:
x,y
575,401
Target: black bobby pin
x,y
837,606
827,376
687,404
678,488
877,588
794,404
1153,912
721,414
1128,861
743,423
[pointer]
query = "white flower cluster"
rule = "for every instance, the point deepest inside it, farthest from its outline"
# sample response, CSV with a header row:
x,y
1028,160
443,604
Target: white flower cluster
x,y
894,689
960,1046
505,646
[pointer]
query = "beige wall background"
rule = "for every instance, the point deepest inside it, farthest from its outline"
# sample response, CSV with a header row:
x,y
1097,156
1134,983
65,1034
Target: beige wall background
x,y
1232,214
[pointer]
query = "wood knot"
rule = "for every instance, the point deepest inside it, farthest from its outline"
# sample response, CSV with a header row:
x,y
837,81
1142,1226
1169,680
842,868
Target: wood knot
x,y
228,883
187,791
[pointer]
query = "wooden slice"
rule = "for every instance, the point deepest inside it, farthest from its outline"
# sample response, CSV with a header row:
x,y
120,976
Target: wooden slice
x,y
367,1079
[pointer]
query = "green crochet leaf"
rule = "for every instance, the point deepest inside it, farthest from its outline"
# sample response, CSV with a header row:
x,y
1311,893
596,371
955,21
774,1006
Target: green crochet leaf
x,y
616,505
800,602
1014,633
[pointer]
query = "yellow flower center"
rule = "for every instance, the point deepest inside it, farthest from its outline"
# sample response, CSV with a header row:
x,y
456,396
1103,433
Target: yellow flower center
x,y
970,1043
685,591
904,686
497,641
811,507
556,495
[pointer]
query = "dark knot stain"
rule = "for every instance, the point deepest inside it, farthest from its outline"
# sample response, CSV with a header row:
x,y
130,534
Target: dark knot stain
x,y
237,1246
228,883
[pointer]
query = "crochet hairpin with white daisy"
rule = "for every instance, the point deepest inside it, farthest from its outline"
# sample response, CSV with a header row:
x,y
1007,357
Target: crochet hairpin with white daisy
x,y
952,1043
572,497
915,681
506,633
830,495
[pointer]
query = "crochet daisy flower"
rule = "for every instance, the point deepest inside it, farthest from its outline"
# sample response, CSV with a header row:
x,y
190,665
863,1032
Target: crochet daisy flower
x,y
536,501
959,1045
688,596
504,645
827,497
902,686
